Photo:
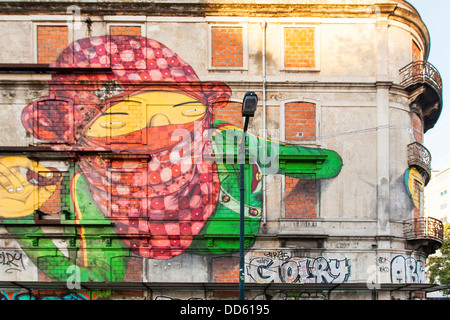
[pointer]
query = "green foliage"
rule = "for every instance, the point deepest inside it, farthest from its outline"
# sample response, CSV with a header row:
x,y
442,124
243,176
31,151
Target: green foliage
x,y
439,265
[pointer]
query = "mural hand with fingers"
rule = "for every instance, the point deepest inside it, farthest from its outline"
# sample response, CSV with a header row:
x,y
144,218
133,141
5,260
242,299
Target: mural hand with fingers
x,y
26,185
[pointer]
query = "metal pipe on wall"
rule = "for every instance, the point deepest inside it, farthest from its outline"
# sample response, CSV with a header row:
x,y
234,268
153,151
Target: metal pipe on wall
x,y
264,25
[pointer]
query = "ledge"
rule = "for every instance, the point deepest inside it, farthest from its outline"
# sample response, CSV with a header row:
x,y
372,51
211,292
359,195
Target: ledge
x,y
46,68
301,228
180,286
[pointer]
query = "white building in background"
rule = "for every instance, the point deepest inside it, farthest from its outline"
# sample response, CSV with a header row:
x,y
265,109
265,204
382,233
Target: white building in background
x,y
437,195
437,204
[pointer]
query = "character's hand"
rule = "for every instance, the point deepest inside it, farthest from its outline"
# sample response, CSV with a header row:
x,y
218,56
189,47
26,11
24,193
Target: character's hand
x,y
24,186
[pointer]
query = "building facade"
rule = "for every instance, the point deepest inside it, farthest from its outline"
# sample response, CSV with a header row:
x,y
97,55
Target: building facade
x,y
437,196
120,155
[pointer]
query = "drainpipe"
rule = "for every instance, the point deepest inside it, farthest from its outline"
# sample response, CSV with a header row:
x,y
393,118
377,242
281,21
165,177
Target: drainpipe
x,y
264,213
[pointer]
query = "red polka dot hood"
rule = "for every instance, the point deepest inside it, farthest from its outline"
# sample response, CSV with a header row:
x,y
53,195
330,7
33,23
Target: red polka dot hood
x,y
80,89
161,204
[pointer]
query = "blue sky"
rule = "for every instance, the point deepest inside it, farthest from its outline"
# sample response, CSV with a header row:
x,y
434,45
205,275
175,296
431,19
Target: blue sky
x,y
435,15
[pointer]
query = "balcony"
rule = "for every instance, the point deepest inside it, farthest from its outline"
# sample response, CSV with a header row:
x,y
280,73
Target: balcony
x,y
424,84
425,232
420,157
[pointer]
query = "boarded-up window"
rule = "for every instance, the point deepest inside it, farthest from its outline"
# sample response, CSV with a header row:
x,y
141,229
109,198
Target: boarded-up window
x,y
416,52
51,41
300,198
299,47
125,31
231,113
300,121
227,47
128,189
417,127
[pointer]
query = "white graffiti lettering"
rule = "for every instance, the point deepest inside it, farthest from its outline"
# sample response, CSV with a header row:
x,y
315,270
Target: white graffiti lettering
x,y
299,270
407,270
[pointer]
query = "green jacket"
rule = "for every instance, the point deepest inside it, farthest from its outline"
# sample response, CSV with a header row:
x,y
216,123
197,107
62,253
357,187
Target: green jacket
x,y
222,230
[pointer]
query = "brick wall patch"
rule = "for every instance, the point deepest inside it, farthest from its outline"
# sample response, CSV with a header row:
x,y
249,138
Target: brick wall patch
x,y
417,128
231,113
125,31
300,198
227,47
51,41
299,47
226,269
300,121
416,52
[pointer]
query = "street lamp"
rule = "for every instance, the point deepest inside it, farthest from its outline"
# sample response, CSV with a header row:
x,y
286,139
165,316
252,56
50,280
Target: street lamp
x,y
248,110
249,104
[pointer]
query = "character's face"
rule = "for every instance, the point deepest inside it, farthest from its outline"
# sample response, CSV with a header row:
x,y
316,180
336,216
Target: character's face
x,y
149,109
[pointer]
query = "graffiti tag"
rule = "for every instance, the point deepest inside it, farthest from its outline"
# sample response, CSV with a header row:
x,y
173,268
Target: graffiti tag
x,y
407,270
12,260
299,270
281,255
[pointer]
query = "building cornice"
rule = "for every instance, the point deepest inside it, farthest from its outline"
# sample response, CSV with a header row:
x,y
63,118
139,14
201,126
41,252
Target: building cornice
x,y
396,10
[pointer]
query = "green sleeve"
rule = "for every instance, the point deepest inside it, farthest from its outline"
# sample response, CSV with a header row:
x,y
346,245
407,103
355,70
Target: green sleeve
x,y
105,262
275,157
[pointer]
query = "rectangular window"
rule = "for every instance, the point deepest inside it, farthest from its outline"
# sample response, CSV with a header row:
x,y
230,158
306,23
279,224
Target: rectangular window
x,y
124,30
53,126
300,48
127,124
232,113
419,197
50,206
51,41
129,59
128,186
228,47
300,198
300,120
417,127
416,52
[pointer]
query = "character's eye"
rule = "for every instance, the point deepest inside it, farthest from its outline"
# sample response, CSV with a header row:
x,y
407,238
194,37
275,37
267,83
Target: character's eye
x,y
191,108
193,112
111,122
113,125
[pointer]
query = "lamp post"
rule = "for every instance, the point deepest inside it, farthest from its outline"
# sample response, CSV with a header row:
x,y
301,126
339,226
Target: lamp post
x,y
248,110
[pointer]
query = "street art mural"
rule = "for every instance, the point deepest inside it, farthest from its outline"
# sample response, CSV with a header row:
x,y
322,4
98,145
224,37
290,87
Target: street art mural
x,y
23,295
147,174
415,187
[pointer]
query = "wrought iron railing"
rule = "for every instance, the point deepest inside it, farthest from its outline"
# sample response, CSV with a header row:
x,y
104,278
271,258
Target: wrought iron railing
x,y
424,228
421,72
419,156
